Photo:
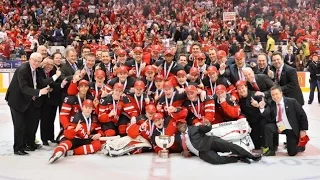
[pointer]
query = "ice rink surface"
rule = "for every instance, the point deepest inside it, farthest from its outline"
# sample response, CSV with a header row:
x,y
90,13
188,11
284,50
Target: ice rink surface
x,y
305,166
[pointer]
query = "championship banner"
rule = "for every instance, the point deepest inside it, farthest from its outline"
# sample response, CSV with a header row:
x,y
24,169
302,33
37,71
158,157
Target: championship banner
x,y
229,16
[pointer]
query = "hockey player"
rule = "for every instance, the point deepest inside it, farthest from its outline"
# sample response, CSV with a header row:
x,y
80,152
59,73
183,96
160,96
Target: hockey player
x,y
167,126
123,78
225,108
169,99
140,99
144,125
158,82
149,73
95,88
136,65
112,109
213,80
199,112
72,104
83,136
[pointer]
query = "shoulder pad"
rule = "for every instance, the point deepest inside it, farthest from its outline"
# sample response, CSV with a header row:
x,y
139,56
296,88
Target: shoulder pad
x,y
70,100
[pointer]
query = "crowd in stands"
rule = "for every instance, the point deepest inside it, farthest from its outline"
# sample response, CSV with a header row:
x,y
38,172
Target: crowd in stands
x,y
288,26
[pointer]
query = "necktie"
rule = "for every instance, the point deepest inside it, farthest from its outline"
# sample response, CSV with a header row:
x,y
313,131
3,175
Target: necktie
x,y
278,76
240,74
34,78
255,86
184,143
107,71
74,66
47,74
279,116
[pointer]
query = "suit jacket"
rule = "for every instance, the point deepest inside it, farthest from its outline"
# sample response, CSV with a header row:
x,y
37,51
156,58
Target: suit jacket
x,y
21,89
295,114
289,83
262,71
54,97
232,73
252,114
292,59
198,137
264,83
67,73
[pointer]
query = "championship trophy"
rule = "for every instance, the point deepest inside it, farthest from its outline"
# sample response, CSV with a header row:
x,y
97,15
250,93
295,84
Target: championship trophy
x,y
165,142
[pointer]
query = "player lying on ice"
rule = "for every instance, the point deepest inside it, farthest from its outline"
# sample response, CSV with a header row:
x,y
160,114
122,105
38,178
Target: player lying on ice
x,y
83,135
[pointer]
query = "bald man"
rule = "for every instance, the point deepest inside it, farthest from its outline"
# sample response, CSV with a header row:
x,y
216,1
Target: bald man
x,y
43,51
260,83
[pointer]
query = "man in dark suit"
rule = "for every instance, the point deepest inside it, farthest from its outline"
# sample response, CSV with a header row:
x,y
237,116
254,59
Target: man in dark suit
x,y
286,117
194,139
67,71
290,59
250,107
50,103
286,77
106,65
263,67
87,70
260,83
24,99
234,73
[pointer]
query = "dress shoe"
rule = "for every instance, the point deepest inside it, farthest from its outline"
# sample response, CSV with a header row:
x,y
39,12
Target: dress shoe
x,y
270,153
28,148
309,102
21,153
302,148
245,160
256,158
53,141
36,146
45,143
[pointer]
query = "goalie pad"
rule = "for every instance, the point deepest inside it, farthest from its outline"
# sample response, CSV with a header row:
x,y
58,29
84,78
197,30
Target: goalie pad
x,y
232,130
124,145
236,132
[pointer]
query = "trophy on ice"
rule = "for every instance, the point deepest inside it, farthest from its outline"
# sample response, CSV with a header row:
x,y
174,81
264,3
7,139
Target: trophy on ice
x,y
165,142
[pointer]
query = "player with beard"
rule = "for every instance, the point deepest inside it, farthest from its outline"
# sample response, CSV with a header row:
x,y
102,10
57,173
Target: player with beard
x,y
115,110
140,99
199,112
194,76
225,108
83,135
123,78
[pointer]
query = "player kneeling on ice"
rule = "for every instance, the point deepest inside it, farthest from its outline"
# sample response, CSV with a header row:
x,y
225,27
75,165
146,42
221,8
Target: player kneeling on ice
x,y
82,135
195,140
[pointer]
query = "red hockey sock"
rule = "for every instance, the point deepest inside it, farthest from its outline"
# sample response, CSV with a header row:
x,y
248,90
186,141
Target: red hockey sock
x,y
122,129
88,149
64,146
110,132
